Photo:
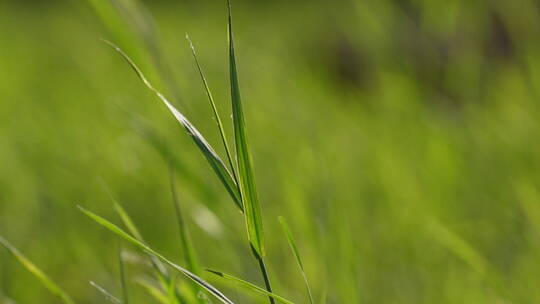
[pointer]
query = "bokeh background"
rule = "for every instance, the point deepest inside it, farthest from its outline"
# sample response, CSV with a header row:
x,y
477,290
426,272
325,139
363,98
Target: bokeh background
x,y
400,138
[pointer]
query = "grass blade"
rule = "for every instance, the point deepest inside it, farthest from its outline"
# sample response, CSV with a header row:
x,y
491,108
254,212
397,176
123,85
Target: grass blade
x,y
187,246
38,273
246,178
214,109
469,255
105,293
123,276
118,231
250,286
209,153
153,291
294,249
128,222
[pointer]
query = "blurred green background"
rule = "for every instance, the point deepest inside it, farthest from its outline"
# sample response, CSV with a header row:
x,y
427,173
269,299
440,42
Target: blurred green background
x,y
400,138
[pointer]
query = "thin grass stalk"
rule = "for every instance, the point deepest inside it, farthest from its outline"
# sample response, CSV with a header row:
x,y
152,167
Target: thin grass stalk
x,y
188,249
214,109
123,276
296,254
108,296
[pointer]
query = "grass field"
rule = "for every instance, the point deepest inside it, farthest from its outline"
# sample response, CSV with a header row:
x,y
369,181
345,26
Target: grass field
x,y
399,140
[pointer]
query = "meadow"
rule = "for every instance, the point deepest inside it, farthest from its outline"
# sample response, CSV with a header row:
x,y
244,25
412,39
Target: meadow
x,y
393,145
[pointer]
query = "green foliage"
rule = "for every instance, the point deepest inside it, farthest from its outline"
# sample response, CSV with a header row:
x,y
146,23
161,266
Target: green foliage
x,y
398,139
38,273
250,286
115,229
294,249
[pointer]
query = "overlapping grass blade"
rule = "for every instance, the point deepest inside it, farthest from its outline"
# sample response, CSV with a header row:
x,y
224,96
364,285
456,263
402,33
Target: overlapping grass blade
x,y
159,143
118,231
214,109
38,273
209,153
246,179
132,228
250,286
294,249
161,272
105,293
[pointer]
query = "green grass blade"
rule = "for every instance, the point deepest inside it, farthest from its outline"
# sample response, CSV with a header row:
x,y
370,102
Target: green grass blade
x,y
132,228
159,268
246,177
469,255
38,273
123,276
324,296
294,249
105,293
153,291
209,153
214,109
185,240
118,231
126,220
250,286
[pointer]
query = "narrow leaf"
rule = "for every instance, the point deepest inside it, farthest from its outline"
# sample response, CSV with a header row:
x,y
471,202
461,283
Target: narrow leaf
x,y
209,153
132,228
153,291
187,247
294,249
123,276
38,273
105,293
118,231
246,177
214,108
250,286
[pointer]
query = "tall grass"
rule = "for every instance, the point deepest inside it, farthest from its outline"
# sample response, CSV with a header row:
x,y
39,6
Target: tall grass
x,y
238,179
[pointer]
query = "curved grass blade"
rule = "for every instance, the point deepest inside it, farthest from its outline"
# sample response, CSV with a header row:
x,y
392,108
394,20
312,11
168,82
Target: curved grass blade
x,y
105,293
250,286
214,109
209,153
294,249
38,273
118,231
246,177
